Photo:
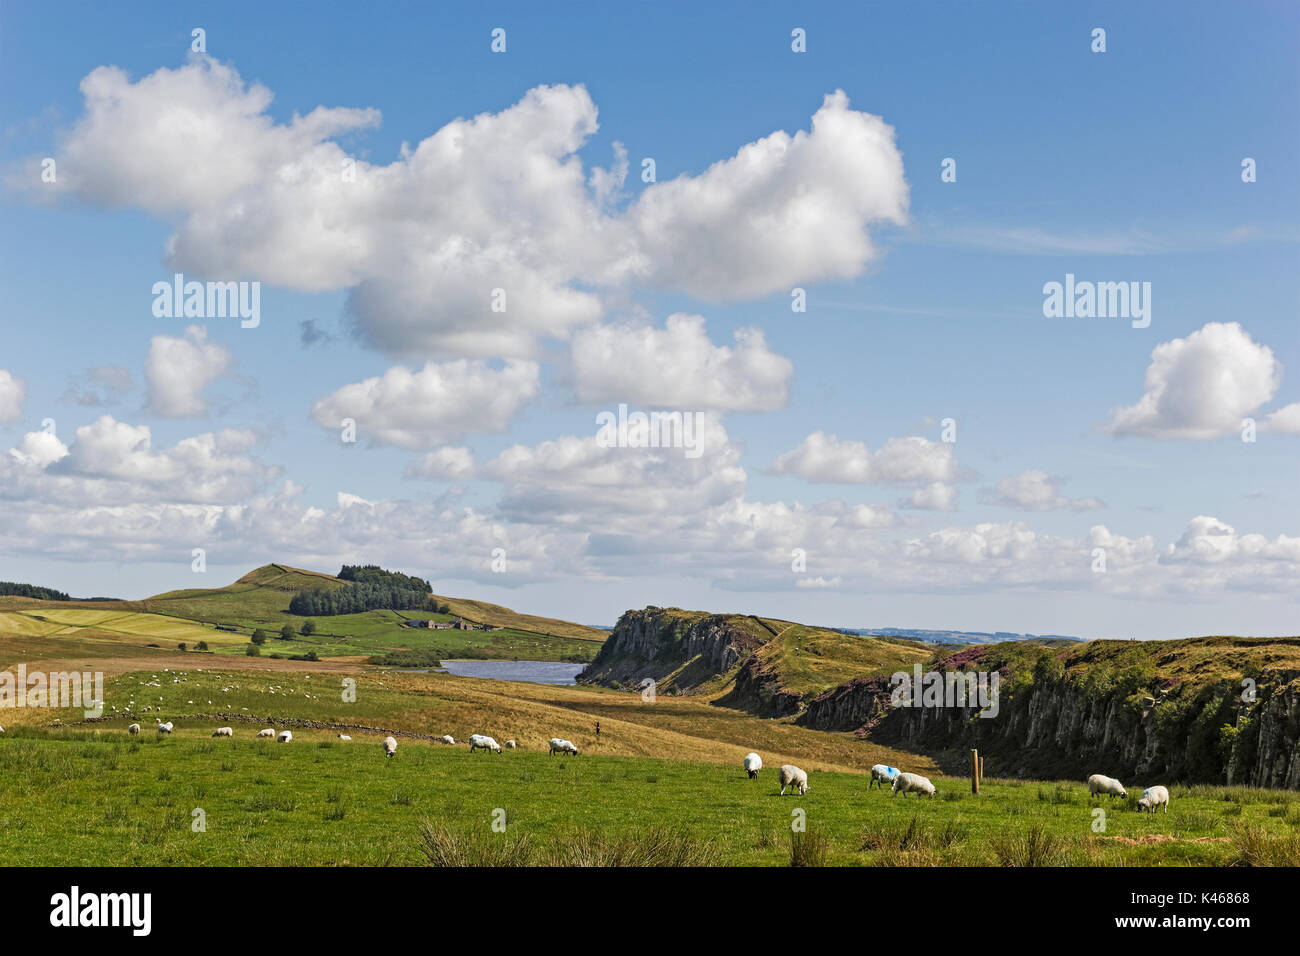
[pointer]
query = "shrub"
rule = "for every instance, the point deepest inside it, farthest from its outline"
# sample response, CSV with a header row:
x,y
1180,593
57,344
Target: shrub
x,y
252,650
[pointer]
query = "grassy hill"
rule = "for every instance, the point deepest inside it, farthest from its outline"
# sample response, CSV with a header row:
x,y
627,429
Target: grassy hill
x,y
260,599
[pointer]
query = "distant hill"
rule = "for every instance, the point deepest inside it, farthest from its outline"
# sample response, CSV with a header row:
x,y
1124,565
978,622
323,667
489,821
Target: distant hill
x,y
263,595
937,636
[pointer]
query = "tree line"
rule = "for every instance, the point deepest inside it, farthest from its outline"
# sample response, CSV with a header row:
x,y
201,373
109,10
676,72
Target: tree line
x,y
369,588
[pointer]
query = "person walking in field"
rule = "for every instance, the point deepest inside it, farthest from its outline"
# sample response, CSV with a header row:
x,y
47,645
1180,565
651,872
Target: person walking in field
x,y
598,730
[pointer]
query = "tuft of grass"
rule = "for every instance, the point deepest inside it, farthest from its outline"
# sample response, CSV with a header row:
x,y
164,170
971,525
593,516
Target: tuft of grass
x,y
1035,847
1254,846
654,846
809,848
446,845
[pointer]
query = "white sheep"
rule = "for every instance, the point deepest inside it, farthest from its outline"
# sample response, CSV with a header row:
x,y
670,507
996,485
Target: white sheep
x,y
753,764
390,745
511,745
133,729
224,732
482,742
913,783
1100,783
268,732
1153,797
344,737
561,746
791,776
284,737
882,774
165,728
447,739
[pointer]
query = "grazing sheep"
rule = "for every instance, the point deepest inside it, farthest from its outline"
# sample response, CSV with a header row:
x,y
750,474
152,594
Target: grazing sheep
x,y
344,737
1153,797
511,745
133,729
390,745
268,732
791,776
1100,783
224,732
284,737
753,764
881,774
561,746
165,728
481,742
913,783
447,739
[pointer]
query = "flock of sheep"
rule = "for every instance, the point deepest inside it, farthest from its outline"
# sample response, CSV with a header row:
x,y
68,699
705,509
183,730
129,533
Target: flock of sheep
x,y
789,776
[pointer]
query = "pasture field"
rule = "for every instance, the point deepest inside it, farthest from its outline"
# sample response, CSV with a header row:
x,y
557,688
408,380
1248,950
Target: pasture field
x,y
75,796
662,784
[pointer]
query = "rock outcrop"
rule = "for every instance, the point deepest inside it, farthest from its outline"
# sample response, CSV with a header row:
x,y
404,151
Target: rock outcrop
x,y
678,650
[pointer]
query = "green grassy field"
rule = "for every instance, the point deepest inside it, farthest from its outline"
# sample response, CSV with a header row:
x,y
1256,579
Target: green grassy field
x,y
79,797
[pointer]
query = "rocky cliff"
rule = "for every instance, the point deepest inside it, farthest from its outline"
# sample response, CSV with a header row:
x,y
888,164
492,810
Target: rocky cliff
x,y
678,650
1066,715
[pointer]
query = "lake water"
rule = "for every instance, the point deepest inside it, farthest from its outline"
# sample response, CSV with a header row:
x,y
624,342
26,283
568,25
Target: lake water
x,y
532,672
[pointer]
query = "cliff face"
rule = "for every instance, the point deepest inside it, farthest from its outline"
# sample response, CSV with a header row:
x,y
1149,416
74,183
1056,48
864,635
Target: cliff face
x,y
1057,727
757,690
676,649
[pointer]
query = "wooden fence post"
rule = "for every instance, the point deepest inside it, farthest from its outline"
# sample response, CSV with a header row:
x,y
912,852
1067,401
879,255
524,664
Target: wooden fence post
x,y
975,771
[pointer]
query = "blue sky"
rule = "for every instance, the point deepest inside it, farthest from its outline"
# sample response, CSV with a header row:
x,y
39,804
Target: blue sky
x,y
1115,166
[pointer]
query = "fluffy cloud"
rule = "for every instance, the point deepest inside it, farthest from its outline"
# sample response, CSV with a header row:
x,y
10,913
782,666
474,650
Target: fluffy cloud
x,y
1285,420
1201,386
178,370
110,462
574,481
500,201
1035,490
677,366
443,464
935,496
438,404
900,461
13,395
783,210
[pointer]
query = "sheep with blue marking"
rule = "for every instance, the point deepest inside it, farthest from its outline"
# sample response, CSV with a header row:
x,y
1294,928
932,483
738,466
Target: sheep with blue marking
x,y
561,746
882,774
483,742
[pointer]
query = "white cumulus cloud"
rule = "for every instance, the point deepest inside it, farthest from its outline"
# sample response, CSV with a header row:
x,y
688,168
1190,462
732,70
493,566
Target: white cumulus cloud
x,y
438,404
678,366
179,368
1201,386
